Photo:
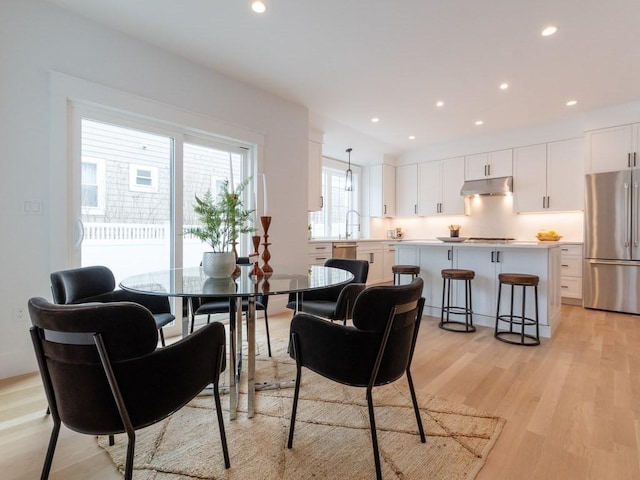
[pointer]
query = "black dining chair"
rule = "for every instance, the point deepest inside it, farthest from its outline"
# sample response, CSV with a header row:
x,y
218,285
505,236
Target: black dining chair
x,y
97,284
375,351
208,307
333,303
103,373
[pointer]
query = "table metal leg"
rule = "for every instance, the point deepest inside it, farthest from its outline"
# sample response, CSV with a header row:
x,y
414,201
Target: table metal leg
x,y
251,355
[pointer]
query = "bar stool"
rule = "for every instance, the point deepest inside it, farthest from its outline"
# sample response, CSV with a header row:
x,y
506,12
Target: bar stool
x,y
467,326
518,337
399,270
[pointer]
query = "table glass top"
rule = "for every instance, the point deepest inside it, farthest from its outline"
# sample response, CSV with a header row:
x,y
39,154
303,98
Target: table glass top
x,y
192,282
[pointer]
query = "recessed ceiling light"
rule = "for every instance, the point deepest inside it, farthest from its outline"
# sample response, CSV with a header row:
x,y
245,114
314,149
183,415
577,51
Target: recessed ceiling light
x,y
258,6
479,122
439,103
550,30
504,86
375,120
412,137
571,103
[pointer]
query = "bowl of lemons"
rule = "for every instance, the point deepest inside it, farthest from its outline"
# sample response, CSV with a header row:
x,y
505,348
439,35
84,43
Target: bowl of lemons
x,y
548,236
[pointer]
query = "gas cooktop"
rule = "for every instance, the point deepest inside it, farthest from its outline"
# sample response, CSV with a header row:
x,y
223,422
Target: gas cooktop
x,y
490,239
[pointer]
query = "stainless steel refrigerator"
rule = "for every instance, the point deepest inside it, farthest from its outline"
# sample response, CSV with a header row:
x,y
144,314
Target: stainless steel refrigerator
x,y
611,273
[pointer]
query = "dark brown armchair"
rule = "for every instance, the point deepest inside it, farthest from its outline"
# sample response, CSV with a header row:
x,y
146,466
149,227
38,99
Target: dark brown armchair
x,y
97,284
103,373
376,350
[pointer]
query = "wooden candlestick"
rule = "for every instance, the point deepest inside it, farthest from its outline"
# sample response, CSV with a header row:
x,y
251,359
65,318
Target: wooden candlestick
x,y
266,255
257,271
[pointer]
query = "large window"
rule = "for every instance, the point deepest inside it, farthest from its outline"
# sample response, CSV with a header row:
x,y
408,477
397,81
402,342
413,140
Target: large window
x,y
330,222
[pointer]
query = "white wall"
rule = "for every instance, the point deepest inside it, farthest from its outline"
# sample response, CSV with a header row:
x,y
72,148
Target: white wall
x,y
36,38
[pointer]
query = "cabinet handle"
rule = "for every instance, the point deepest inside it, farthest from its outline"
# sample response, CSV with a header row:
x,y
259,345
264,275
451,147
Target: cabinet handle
x,y
493,253
564,286
634,159
371,256
548,202
498,256
564,265
485,170
415,208
629,159
321,201
448,254
384,211
489,169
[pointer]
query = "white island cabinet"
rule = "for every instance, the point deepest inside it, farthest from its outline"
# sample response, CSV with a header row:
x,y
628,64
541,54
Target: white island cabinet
x,y
488,261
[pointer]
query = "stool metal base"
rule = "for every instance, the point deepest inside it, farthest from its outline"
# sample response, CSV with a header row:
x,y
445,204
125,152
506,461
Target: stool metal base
x,y
518,337
459,326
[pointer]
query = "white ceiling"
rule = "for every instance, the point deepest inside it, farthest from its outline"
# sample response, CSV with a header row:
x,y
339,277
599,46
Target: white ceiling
x,y
350,60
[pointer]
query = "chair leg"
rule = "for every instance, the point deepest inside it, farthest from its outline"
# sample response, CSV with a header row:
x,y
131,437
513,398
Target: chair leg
x,y
131,446
266,325
223,436
161,337
296,391
374,436
416,409
51,449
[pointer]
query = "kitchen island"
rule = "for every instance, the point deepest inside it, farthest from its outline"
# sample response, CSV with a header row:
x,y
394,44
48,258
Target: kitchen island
x,y
488,260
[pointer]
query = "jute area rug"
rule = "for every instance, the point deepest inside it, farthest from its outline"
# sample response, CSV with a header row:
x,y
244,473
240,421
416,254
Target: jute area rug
x,y
332,437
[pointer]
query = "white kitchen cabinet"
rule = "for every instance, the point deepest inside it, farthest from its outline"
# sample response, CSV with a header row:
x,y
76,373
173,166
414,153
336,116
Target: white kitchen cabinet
x,y
372,252
549,177
489,165
315,176
319,252
571,259
407,190
389,260
382,186
433,259
613,148
439,187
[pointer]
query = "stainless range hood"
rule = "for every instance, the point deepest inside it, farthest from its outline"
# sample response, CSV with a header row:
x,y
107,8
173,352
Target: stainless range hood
x,y
488,186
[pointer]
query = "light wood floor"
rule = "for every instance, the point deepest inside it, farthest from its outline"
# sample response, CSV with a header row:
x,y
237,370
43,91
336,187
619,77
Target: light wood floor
x,y
572,405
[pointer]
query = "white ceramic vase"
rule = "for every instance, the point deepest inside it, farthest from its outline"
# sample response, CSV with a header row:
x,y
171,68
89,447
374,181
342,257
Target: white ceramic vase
x,y
218,264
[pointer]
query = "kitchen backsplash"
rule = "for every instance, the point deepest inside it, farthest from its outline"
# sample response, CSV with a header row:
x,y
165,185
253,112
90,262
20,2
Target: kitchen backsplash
x,y
489,217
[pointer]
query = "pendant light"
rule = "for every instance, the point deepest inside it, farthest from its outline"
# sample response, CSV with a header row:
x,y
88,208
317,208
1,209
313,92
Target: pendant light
x,y
348,186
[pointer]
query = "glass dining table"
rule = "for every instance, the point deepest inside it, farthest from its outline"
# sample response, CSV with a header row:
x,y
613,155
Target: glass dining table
x,y
191,282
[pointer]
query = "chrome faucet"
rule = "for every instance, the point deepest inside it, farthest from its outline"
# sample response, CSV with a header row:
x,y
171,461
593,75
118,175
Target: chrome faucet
x,y
346,223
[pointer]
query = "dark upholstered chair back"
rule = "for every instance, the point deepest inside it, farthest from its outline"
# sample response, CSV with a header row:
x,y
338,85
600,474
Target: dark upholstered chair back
x,y
71,286
103,374
82,394
359,268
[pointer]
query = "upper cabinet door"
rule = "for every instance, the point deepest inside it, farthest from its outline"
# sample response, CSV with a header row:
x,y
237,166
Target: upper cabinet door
x,y
501,163
452,180
382,190
610,149
476,166
406,190
429,193
565,175
530,178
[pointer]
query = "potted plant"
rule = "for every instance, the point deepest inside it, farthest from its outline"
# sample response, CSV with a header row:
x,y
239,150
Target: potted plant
x,y
222,219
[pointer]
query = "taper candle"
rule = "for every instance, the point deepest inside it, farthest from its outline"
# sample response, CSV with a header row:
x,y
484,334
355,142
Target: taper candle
x,y
264,193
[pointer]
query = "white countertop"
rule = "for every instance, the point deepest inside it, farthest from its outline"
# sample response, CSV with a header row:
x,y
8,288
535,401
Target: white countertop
x,y
514,244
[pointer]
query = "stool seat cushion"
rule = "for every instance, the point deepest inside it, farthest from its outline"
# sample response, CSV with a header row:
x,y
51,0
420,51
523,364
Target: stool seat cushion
x,y
518,279
458,274
406,269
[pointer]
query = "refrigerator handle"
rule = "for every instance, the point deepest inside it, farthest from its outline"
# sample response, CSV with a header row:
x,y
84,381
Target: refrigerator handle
x,y
635,213
627,213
